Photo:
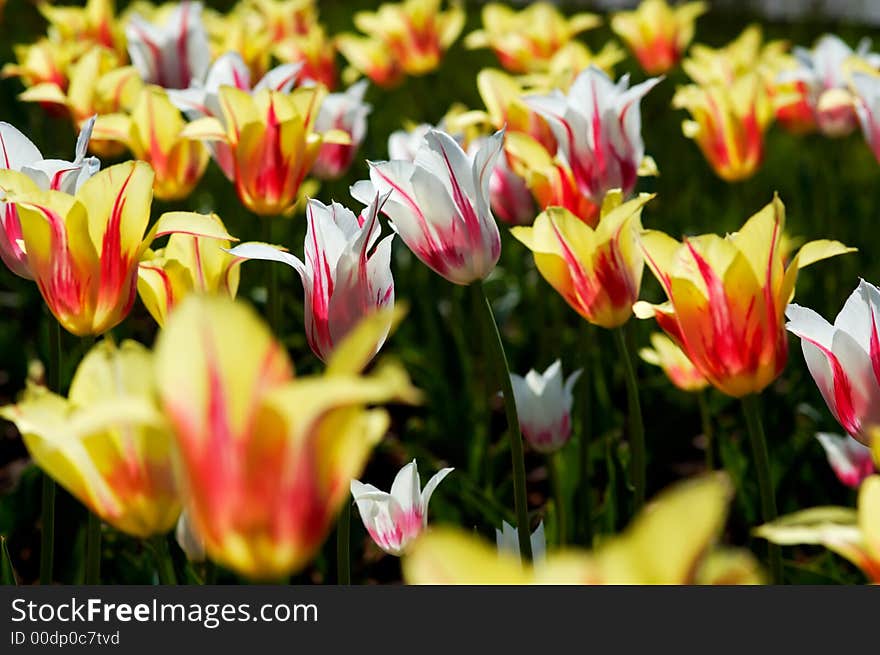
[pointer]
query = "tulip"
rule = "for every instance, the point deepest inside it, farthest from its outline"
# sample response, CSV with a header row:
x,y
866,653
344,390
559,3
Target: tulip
x,y
93,24
507,108
97,86
524,41
43,62
675,364
203,99
670,542
173,53
265,459
409,37
824,74
574,58
405,144
506,541
395,520
83,250
188,263
746,54
342,280
509,195
348,113
844,358
17,153
868,109
106,443
190,543
439,205
598,272
728,124
598,128
849,533
285,18
152,133
272,142
658,34
315,51
727,297
543,402
851,461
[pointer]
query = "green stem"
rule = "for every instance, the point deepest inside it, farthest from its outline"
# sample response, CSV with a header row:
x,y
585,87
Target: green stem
x,y
765,483
47,509
513,430
164,563
706,420
210,572
636,427
93,550
586,416
343,539
558,500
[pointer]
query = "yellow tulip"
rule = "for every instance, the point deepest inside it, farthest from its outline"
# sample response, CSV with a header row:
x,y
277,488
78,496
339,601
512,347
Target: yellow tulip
x,y
83,250
853,534
187,264
152,133
728,123
266,459
526,40
598,272
93,24
107,442
727,296
658,34
675,364
669,542
43,62
273,142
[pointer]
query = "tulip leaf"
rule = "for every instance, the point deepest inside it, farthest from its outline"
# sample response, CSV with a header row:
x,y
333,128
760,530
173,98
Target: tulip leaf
x,y
7,573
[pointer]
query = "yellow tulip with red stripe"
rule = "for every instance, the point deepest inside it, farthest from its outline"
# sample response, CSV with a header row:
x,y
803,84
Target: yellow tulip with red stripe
x,y
107,442
83,250
727,296
187,264
152,133
675,364
671,542
728,123
598,272
273,142
266,459
656,33
526,40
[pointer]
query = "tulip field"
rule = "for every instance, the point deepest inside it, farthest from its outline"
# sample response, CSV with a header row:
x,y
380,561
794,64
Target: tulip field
x,y
437,292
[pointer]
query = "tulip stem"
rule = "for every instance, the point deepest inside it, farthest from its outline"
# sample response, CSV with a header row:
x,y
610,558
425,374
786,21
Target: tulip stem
x,y
93,549
706,421
586,416
513,430
636,427
273,302
47,509
765,483
164,563
558,499
343,539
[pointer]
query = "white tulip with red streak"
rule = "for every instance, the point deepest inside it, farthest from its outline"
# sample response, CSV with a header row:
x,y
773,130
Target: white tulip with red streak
x,y
598,126
394,520
346,274
543,402
348,113
439,205
844,358
18,153
851,461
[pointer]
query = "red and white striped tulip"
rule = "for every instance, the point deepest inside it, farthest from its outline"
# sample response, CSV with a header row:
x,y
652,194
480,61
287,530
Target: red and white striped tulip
x,y
173,53
598,127
346,112
345,276
851,461
394,520
844,358
543,402
18,153
439,205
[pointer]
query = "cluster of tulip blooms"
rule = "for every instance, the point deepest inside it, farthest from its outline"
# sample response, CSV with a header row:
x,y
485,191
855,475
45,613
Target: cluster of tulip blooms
x,y
210,430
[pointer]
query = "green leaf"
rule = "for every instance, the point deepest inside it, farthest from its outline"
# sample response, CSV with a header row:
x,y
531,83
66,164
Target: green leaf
x,y
7,573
